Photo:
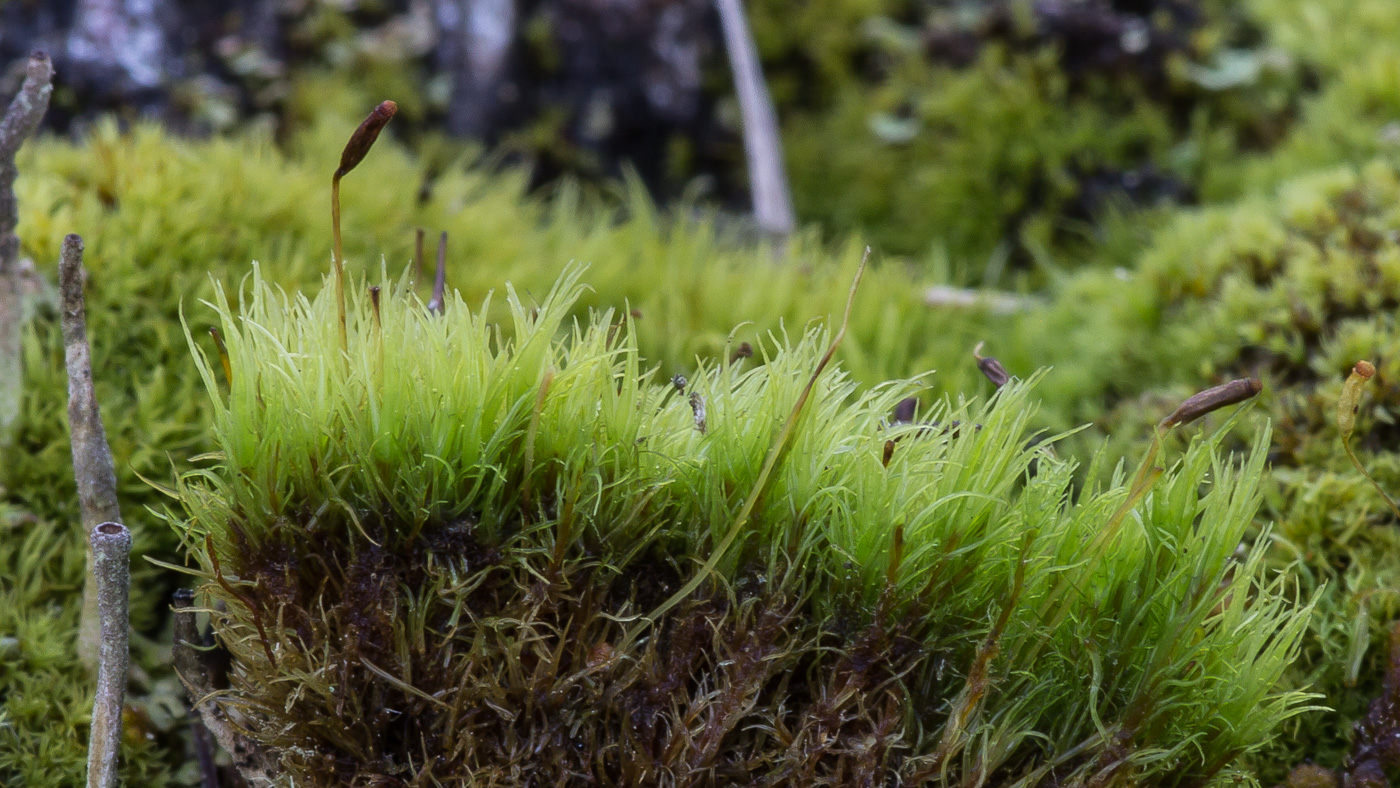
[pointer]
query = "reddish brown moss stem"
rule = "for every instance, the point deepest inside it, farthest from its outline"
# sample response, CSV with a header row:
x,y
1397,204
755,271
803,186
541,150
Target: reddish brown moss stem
x,y
418,234
242,598
1348,405
775,455
530,435
338,262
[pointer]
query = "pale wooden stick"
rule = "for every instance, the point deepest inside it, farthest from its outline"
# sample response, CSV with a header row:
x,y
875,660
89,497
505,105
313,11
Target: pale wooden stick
x,y
998,303
93,471
763,145
111,550
438,303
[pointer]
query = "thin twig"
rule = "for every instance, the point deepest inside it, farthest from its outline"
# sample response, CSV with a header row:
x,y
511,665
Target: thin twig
x,y
418,234
996,302
438,302
20,122
763,145
93,471
111,548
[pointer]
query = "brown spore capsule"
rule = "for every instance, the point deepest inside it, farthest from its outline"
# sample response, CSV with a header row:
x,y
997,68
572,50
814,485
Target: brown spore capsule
x,y
363,138
1212,399
990,367
745,350
904,411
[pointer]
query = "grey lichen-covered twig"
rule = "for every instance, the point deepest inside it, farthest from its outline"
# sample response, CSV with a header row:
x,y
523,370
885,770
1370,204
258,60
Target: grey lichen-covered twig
x,y
111,550
763,146
92,459
18,124
194,665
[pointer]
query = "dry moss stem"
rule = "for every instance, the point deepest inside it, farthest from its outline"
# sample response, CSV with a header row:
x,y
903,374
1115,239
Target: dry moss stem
x,y
200,678
110,547
19,123
93,471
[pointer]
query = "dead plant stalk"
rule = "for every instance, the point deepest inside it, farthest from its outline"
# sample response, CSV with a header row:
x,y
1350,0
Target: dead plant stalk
x,y
93,470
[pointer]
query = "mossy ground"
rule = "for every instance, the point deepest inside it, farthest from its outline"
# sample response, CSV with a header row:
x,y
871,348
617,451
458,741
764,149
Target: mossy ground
x,y
1287,272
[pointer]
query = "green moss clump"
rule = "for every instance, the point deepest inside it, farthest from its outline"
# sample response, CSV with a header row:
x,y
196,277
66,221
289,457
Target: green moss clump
x,y
164,218
468,550
1295,288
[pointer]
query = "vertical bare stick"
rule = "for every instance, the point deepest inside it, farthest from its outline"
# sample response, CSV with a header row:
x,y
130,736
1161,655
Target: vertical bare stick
x,y
418,234
111,550
92,459
438,303
763,147
19,123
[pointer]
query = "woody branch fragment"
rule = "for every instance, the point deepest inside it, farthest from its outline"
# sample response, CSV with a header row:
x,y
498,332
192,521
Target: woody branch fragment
x,y
93,470
110,546
19,123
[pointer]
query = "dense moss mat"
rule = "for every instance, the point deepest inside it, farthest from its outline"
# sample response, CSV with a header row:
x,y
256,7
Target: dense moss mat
x,y
447,555
1232,289
166,219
